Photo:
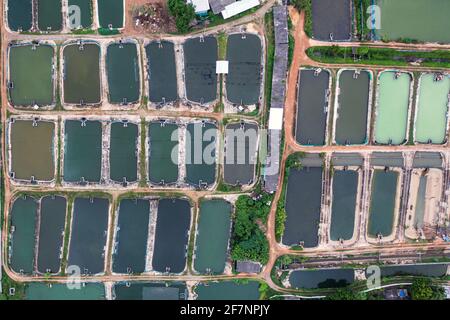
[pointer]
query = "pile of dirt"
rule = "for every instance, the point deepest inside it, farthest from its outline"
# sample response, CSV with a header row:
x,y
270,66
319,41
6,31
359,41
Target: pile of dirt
x,y
152,18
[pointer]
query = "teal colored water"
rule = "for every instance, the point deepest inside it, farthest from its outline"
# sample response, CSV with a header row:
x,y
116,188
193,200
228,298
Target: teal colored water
x,y
123,152
324,278
49,15
111,13
150,291
420,202
20,14
58,291
85,10
228,290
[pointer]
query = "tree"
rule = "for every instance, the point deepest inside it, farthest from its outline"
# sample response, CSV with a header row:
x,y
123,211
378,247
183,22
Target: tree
x,y
421,289
346,294
183,13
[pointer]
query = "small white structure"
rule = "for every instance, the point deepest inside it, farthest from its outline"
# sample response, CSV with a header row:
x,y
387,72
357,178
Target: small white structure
x,y
222,67
238,7
276,119
201,6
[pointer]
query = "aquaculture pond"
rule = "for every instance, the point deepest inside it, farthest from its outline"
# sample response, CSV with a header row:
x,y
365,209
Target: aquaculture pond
x,y
241,143
150,291
312,107
172,234
243,81
83,151
422,20
200,56
382,204
22,234
123,73
86,10
28,137
429,270
31,75
131,236
331,19
49,15
419,211
392,107
60,291
162,73
345,190
82,74
123,152
228,290
213,236
111,13
20,14
51,231
88,234
200,158
432,109
163,154
353,102
323,278
303,203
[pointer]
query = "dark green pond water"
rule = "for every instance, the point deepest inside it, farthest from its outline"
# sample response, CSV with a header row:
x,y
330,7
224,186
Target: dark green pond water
x,y
228,290
110,13
240,153
201,153
162,72
331,17
31,74
419,213
150,291
172,233
430,270
243,81
20,14
23,222
83,151
345,184
82,74
123,73
52,222
131,236
123,152
86,11
161,166
324,278
382,204
59,291
200,69
26,140
88,234
49,15
213,236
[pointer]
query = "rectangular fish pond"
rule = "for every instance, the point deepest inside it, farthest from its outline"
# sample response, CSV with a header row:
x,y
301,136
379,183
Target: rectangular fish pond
x,y
31,75
432,108
32,150
82,74
213,236
227,290
124,79
172,234
111,13
163,144
20,14
49,15
429,270
323,278
60,291
331,20
352,107
82,151
200,56
243,82
162,73
123,152
131,236
312,107
86,9
88,234
201,142
241,144
391,121
150,291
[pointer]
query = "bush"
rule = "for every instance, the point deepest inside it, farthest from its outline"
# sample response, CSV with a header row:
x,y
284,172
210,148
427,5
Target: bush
x,y
183,13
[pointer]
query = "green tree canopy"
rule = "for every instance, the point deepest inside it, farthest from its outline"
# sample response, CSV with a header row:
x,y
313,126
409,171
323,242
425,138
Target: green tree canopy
x,y
183,13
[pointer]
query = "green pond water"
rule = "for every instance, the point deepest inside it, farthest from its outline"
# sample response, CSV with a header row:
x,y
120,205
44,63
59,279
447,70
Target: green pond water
x,y
123,152
420,202
27,140
131,236
82,74
150,291
345,184
83,151
20,14
23,222
123,73
324,278
51,229
431,119
213,236
31,74
392,109
110,13
49,15
430,270
161,166
201,153
59,291
423,20
382,204
86,12
228,290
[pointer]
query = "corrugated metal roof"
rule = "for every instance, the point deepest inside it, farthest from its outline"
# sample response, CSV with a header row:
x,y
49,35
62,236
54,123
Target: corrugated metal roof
x,y
238,7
